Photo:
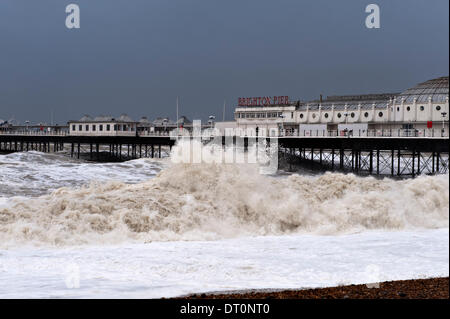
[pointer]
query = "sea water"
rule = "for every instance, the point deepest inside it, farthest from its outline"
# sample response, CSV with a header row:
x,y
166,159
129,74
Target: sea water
x,y
151,228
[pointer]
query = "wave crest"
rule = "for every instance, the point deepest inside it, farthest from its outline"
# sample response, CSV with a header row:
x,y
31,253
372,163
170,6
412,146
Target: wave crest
x,y
215,201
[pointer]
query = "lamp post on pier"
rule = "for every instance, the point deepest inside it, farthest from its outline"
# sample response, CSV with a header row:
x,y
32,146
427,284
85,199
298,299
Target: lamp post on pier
x,y
444,114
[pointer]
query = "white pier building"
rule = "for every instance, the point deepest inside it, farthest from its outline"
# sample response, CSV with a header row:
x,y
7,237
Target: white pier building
x,y
420,110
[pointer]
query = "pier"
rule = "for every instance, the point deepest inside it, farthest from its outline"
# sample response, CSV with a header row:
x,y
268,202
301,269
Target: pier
x,y
406,156
382,156
92,147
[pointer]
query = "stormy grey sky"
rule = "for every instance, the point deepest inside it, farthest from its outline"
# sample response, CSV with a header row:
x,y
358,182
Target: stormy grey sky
x,y
136,56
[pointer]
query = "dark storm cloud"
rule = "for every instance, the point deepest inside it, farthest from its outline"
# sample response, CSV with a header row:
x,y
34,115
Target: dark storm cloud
x,y
136,56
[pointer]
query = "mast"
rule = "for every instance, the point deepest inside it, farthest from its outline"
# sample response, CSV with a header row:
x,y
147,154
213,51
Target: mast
x,y
223,114
176,121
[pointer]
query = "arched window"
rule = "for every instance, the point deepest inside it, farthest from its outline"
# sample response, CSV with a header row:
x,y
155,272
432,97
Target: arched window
x,y
339,115
438,108
422,107
408,109
380,114
366,114
301,115
352,115
326,115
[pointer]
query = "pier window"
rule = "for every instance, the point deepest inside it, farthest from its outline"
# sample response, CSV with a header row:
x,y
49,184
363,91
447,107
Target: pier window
x,y
339,115
301,115
326,115
407,126
87,127
352,115
422,108
100,127
80,127
94,127
366,114
408,109
380,114
74,127
438,108
108,127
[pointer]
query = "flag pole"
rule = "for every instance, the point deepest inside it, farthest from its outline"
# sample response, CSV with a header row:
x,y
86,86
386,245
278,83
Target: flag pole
x,y
223,115
177,116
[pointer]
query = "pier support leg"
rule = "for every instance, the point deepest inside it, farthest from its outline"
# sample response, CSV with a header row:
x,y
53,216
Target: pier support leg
x,y
353,160
320,157
418,163
392,162
432,162
332,159
378,162
438,156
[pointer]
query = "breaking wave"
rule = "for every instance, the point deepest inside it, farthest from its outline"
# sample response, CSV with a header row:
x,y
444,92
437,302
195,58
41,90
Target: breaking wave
x,y
216,201
35,173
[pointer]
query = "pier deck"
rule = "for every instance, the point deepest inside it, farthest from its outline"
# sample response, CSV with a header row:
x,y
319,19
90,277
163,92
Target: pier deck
x,y
393,156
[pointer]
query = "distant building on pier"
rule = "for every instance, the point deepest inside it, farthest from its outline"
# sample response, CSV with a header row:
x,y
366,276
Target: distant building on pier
x,y
424,106
103,126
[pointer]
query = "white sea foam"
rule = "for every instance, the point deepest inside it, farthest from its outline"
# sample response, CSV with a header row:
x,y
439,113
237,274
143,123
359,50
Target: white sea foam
x,y
216,201
35,173
124,205
166,269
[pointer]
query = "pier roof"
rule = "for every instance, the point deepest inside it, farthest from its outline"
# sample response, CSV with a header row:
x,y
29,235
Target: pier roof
x,y
103,119
436,89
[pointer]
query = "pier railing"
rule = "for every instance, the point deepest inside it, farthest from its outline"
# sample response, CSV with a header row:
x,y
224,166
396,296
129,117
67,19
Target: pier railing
x,y
412,133
34,133
369,133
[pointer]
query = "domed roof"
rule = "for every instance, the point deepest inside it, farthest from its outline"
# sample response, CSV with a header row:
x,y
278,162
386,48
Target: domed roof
x,y
183,120
86,118
437,89
103,118
144,120
163,121
125,118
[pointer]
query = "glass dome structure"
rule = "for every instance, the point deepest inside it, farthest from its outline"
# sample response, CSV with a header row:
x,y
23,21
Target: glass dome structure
x,y
437,89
